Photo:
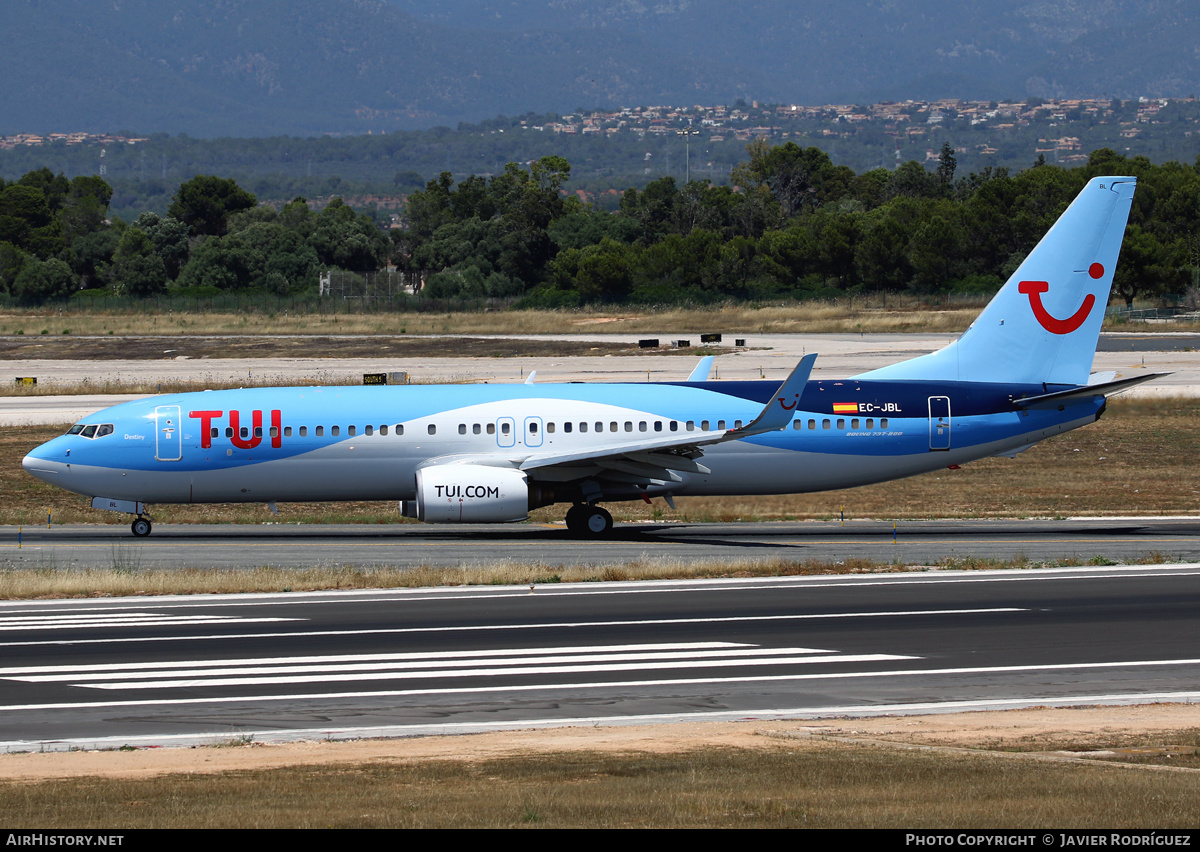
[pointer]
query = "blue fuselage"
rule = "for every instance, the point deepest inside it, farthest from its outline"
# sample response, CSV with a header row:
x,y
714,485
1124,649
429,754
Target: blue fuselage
x,y
367,443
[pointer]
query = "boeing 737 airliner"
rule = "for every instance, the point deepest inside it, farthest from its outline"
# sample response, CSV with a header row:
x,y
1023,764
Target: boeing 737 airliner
x,y
491,453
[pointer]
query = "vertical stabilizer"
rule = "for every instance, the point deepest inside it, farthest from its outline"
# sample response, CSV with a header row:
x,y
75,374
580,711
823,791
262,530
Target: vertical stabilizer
x,y
1044,323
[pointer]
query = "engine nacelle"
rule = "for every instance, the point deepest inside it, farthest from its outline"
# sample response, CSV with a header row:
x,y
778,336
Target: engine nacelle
x,y
471,494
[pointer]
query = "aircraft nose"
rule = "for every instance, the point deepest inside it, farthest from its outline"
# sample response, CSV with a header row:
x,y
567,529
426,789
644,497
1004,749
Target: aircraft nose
x,y
43,463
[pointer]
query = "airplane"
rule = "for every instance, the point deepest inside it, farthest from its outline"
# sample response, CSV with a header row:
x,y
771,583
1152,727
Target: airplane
x,y
493,452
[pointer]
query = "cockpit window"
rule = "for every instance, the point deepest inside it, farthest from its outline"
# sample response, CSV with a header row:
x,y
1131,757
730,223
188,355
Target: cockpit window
x,y
105,429
76,429
89,431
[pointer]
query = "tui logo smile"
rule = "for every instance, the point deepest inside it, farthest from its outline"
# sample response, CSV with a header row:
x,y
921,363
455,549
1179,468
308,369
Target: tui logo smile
x,y
1035,289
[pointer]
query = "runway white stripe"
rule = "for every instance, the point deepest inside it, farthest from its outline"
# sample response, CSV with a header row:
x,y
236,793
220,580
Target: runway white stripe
x,y
669,682
542,626
431,667
498,672
123,619
351,659
511,662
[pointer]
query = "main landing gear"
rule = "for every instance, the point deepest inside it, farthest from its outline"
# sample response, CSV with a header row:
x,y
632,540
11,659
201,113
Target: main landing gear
x,y
141,526
587,521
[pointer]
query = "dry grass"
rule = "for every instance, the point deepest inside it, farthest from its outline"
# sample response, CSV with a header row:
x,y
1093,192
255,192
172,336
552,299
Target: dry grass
x,y
855,314
782,784
128,575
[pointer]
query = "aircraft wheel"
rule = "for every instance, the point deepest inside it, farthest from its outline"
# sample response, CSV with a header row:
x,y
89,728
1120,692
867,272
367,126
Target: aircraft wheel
x,y
141,527
576,518
598,522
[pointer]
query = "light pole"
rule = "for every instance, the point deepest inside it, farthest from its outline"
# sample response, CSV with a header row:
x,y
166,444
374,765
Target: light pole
x,y
687,138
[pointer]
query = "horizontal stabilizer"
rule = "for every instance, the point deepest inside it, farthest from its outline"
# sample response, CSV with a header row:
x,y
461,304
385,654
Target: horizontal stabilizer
x,y
1103,389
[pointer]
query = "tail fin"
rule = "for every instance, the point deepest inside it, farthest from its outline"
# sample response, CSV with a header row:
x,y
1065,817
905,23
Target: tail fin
x,y
1044,323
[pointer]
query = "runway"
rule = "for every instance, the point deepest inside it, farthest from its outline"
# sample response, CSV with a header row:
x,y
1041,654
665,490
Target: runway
x,y
411,545
182,670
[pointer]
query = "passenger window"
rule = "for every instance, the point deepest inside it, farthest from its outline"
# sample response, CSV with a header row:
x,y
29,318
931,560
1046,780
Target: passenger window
x,y
533,428
214,432
841,423
737,424
854,423
641,425
351,431
228,431
674,425
825,424
812,424
628,425
504,429
257,431
432,429
690,426
303,431
274,432
870,422
245,432
370,430
491,428
883,423
383,430
612,426
796,424
462,428
287,431
720,425
568,426
703,425
320,431
657,425
399,428
549,427
600,426
475,429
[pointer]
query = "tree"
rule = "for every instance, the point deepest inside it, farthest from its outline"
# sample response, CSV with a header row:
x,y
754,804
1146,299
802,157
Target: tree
x,y
137,269
205,202
44,279
946,166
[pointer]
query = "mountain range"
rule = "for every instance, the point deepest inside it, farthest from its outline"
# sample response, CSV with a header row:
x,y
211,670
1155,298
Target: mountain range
x,y
313,67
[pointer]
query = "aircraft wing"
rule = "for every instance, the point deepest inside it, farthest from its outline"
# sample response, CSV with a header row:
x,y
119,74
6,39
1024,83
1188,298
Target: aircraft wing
x,y
678,451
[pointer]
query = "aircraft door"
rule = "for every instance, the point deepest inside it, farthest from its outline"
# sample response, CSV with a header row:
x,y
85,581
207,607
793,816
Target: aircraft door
x,y
506,432
533,431
939,422
168,440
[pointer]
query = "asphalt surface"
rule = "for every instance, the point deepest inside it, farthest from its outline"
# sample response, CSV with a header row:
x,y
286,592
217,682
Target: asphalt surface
x,y
179,670
414,545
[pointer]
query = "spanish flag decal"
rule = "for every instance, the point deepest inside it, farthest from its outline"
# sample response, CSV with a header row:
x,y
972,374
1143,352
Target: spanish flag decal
x,y
845,408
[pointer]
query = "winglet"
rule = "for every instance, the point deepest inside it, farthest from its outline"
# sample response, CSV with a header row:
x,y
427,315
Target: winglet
x,y
532,376
777,413
701,370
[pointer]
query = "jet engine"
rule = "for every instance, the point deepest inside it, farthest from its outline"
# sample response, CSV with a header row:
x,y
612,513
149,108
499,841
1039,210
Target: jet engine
x,y
470,494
